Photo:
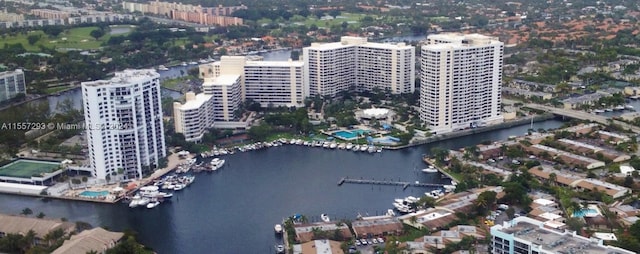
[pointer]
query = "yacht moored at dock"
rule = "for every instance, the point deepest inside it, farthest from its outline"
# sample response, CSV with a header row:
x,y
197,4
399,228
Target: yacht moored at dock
x,y
216,163
430,169
325,217
278,229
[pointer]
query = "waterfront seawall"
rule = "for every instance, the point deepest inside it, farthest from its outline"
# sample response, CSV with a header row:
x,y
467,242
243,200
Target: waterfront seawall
x,y
463,133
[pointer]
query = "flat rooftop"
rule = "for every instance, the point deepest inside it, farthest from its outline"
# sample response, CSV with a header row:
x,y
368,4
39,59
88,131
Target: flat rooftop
x,y
555,241
23,168
226,80
197,102
126,77
274,64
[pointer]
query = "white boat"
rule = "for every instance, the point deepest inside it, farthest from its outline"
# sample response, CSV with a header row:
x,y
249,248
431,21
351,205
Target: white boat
x,y
135,201
326,145
162,68
411,199
349,146
608,110
153,204
178,187
597,111
143,201
619,107
325,217
184,64
628,106
342,146
372,149
280,248
391,213
398,200
278,228
430,169
217,163
333,145
364,148
356,148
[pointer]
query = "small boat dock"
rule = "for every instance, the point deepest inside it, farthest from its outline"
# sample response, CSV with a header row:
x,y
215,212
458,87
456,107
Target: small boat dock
x,y
387,182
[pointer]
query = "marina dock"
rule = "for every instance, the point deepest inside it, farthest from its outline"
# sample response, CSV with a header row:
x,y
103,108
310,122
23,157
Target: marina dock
x,y
387,182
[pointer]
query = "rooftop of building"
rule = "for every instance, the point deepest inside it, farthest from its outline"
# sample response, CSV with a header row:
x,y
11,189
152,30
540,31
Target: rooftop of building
x,y
195,101
97,239
554,241
224,80
350,41
13,72
318,246
565,153
289,63
126,77
376,226
10,224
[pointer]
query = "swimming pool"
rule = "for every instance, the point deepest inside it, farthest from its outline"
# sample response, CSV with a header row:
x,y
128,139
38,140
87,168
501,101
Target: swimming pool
x,y
349,134
585,213
92,194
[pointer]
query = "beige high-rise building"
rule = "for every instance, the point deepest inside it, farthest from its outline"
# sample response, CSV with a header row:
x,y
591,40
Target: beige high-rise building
x,y
460,81
193,117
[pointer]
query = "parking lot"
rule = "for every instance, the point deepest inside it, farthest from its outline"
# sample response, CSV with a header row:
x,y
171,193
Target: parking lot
x,y
367,246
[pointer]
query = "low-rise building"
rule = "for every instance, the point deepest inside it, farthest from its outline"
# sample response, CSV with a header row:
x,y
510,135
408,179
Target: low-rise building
x,y
585,99
377,227
527,93
613,138
306,232
526,235
10,224
440,239
94,240
579,182
318,247
567,157
585,148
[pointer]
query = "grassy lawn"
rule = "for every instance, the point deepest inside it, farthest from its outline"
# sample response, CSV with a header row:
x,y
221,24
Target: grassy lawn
x,y
52,90
174,84
74,38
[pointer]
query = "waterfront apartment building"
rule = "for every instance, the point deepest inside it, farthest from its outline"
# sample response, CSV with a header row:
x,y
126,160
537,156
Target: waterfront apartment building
x,y
275,83
194,117
11,84
270,83
123,120
524,235
354,64
460,81
226,92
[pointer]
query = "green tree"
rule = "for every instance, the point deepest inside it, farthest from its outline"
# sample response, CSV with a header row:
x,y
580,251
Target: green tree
x,y
40,215
32,39
96,33
27,211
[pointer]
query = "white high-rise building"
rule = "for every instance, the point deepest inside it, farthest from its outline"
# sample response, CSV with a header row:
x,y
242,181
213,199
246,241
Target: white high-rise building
x,y
226,92
11,84
123,121
460,81
353,64
275,83
194,117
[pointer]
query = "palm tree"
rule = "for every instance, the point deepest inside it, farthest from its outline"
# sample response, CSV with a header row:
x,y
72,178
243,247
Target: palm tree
x,y
553,178
26,212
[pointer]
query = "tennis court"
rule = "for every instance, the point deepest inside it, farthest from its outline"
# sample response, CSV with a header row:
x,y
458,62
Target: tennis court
x,y
27,168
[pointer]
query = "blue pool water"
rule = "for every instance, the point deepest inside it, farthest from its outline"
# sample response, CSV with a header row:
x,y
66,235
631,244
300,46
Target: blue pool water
x,y
584,212
94,193
349,134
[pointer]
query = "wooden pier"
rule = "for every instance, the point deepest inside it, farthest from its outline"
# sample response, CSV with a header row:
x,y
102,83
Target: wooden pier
x,y
387,182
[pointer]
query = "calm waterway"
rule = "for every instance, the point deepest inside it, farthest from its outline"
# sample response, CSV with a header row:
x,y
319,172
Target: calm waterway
x,y
234,209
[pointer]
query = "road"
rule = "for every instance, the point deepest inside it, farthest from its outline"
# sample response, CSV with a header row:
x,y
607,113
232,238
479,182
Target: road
x,y
582,115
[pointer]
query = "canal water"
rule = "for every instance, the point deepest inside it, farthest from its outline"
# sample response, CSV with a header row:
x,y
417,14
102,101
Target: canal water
x,y
234,209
